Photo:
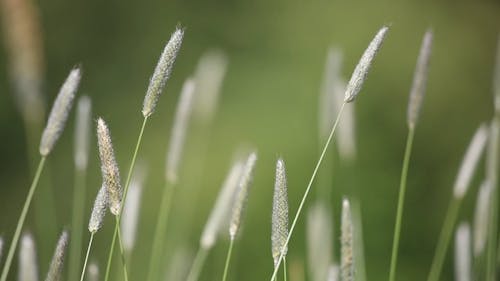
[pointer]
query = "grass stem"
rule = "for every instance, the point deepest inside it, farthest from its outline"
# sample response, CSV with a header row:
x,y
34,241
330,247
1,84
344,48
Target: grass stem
x,y
198,263
122,252
87,256
77,222
228,259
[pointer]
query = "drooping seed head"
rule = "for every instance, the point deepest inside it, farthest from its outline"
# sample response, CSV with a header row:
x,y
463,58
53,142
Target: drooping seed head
x,y
60,111
462,253
93,272
28,268
99,210
496,80
162,72
470,161
241,195
419,85
279,224
481,217
82,132
346,244
361,71
319,233
179,130
222,208
109,167
57,263
130,215
333,273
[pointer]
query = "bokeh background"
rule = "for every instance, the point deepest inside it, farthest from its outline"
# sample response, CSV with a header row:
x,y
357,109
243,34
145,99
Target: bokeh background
x,y
269,101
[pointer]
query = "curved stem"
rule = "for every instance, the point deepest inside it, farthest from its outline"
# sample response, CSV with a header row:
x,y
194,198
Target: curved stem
x,y
77,223
22,218
87,256
228,259
304,197
401,202
198,262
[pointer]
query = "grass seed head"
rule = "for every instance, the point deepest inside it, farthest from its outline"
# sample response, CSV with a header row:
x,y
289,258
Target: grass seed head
x,y
131,209
57,263
28,268
319,233
346,243
82,132
279,233
481,218
99,210
462,253
60,111
162,72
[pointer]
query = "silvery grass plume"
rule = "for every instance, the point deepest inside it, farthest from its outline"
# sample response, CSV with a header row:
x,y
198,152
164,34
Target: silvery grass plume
x,y
57,263
361,71
462,253
241,195
346,244
417,91
99,210
82,132
162,72
28,269
496,80
319,233
279,220
470,162
209,76
24,46
481,218
131,208
93,272
178,266
327,103
179,130
333,273
109,168
60,111
221,210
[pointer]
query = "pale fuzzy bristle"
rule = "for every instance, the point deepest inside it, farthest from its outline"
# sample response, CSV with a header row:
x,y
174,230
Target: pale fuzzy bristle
x,y
59,112
221,210
420,76
462,253
496,80
319,233
99,210
57,262
481,218
162,72
346,244
179,130
328,104
333,273
361,71
241,195
279,221
209,76
28,268
82,132
470,161
131,209
93,272
109,168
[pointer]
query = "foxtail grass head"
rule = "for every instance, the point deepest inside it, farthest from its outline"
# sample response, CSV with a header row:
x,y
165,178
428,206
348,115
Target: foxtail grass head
x,y
179,130
28,268
131,208
162,72
346,244
222,208
279,222
462,253
82,132
361,71
481,218
99,210
417,91
57,263
109,167
241,195
319,233
60,111
470,162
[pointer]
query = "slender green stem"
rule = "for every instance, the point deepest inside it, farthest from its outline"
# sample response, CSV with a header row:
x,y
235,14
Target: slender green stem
x,y
122,252
160,231
444,240
304,197
284,269
127,183
77,222
20,222
401,203
228,259
86,256
198,263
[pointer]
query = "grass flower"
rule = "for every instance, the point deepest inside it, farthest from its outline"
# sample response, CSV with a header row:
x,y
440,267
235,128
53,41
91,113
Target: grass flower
x,y
346,244
57,263
279,224
462,253
28,268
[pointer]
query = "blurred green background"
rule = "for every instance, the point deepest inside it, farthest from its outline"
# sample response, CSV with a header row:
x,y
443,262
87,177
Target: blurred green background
x,y
269,101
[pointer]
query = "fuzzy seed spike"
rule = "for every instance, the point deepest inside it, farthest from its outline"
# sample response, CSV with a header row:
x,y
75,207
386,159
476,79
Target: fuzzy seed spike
x,y
27,259
57,263
280,213
131,208
481,218
162,72
417,91
82,132
470,161
319,232
109,167
361,71
99,210
347,247
60,111
462,253
241,195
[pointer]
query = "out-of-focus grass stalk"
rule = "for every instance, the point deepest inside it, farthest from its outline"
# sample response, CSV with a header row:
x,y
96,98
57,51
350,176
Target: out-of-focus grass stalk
x,y
228,259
